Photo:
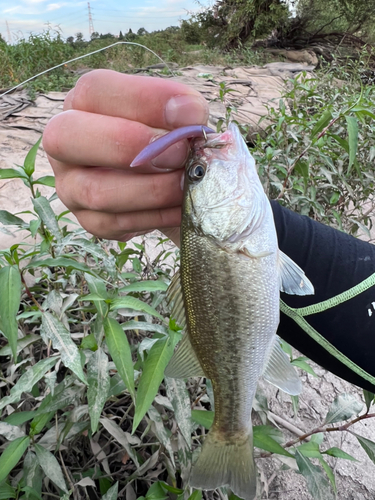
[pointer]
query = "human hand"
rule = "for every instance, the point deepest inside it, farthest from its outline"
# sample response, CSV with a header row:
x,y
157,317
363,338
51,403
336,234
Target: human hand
x,y
108,119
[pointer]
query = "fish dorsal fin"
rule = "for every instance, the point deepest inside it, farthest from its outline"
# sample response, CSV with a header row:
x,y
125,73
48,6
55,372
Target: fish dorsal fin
x,y
279,372
292,279
184,362
175,300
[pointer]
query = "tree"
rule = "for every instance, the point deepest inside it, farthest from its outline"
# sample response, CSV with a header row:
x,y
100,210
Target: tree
x,y
79,37
191,31
329,28
106,36
230,23
326,16
142,31
120,36
130,36
94,36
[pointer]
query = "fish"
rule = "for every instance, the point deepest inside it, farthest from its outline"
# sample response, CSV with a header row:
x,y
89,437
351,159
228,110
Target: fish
x,y
226,298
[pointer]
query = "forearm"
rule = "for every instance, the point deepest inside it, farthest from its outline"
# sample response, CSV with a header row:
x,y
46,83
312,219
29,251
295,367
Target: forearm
x,y
334,262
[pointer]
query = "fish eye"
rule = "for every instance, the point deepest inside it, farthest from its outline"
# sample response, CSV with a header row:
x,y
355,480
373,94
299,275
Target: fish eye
x,y
197,172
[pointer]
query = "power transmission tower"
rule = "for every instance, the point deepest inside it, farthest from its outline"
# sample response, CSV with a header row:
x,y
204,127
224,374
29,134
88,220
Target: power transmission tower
x,y
8,31
91,24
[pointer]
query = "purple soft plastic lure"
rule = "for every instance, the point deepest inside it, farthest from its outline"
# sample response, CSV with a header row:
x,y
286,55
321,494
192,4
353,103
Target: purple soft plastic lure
x,y
157,147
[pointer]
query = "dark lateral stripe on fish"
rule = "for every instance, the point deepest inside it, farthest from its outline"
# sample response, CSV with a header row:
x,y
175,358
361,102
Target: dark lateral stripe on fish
x,y
160,145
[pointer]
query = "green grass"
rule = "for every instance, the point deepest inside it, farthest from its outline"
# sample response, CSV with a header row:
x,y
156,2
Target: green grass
x,y
39,53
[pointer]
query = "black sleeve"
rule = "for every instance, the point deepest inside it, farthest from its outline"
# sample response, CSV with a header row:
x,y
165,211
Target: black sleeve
x,y
334,262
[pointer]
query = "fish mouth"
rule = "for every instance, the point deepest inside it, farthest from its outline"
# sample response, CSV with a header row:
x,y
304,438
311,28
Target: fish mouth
x,y
200,145
231,139
214,141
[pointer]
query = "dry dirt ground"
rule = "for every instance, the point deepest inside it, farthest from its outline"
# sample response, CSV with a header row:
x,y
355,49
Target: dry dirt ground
x,y
21,124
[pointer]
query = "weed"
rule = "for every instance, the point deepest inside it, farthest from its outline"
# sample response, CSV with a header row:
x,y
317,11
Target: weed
x,y
86,334
85,340
317,154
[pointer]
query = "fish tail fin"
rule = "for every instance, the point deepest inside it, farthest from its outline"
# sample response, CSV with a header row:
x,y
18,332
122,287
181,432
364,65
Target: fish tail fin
x,y
226,462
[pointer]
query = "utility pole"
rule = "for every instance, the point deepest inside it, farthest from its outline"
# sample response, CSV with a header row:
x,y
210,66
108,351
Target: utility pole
x,y
91,24
9,34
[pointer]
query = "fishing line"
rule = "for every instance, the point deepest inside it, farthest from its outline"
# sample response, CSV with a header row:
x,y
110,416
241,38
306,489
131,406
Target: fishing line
x,y
82,57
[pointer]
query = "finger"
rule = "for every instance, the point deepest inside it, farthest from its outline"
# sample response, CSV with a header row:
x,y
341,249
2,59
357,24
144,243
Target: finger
x,y
82,138
68,100
117,226
155,102
105,190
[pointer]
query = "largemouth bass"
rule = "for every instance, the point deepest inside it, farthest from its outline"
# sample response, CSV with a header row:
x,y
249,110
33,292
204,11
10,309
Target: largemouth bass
x,y
226,295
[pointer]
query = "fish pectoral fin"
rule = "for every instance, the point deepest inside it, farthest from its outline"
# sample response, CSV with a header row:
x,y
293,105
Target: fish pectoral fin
x,y
291,277
254,255
279,372
175,300
224,462
184,362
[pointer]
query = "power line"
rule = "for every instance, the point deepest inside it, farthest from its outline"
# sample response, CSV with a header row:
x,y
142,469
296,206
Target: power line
x,y
147,23
69,16
98,9
161,17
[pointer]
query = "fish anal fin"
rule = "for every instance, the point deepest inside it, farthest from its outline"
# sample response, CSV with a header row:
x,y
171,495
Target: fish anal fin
x,y
184,362
292,279
279,372
223,462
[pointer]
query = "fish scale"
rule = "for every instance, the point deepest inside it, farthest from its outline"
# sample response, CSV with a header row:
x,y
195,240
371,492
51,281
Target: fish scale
x,y
226,296
227,314
231,275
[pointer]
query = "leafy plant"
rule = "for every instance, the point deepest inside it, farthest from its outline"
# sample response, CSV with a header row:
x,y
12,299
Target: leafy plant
x,y
85,341
62,335
86,334
317,154
28,57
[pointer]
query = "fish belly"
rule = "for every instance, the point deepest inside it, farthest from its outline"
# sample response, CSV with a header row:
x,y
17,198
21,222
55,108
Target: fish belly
x,y
232,309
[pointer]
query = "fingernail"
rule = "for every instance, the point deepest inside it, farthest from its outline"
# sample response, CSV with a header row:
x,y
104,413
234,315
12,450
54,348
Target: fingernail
x,y
186,109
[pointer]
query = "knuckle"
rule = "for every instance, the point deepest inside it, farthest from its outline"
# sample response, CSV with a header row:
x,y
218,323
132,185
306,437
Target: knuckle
x,y
84,88
122,223
91,194
88,223
127,140
161,216
119,142
157,188
57,136
99,225
59,186
51,136
63,190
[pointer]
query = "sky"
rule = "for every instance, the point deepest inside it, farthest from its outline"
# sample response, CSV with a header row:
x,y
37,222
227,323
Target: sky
x,y
109,16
